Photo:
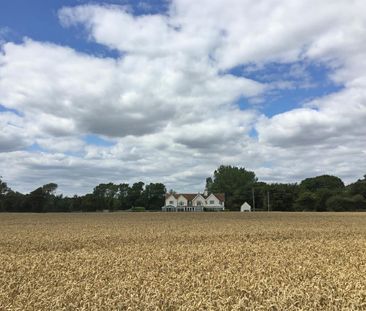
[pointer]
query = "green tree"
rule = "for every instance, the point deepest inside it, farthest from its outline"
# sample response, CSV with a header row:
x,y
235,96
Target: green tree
x,y
3,187
106,196
135,195
3,191
209,183
282,196
322,182
323,187
41,199
306,201
321,196
14,202
359,187
59,204
36,200
76,203
342,202
49,189
154,195
123,191
235,182
88,203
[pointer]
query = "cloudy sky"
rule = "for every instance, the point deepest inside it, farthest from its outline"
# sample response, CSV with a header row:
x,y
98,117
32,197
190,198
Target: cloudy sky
x,y
166,91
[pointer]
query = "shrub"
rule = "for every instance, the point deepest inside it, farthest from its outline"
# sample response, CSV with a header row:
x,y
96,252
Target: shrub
x,y
138,209
339,203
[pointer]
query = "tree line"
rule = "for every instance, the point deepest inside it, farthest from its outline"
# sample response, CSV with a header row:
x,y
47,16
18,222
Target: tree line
x,y
105,196
320,193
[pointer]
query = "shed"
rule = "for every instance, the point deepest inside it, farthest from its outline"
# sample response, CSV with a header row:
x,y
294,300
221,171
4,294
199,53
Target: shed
x,y
245,207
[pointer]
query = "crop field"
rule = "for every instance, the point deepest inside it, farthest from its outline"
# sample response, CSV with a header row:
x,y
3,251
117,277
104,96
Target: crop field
x,y
183,261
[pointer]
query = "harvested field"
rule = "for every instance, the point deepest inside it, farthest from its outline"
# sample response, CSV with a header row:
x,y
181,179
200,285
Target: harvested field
x,y
183,261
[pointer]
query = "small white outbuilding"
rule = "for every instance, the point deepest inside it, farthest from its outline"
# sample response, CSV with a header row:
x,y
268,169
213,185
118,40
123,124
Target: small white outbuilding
x,y
245,207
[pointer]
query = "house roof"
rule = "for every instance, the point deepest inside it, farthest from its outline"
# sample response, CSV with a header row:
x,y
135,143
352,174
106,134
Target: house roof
x,y
191,196
167,195
220,196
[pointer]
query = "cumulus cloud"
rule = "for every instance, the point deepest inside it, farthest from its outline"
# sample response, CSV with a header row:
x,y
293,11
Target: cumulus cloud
x,y
169,101
12,134
130,96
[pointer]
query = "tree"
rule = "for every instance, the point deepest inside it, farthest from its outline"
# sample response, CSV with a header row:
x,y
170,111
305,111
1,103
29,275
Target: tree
x,y
14,202
359,187
282,196
49,189
209,183
323,187
41,199
306,201
3,187
340,203
359,202
134,196
106,196
154,195
36,200
3,191
235,183
321,197
76,203
322,182
123,190
88,203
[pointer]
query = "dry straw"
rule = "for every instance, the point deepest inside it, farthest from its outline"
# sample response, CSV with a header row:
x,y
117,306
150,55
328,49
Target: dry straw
x,y
181,261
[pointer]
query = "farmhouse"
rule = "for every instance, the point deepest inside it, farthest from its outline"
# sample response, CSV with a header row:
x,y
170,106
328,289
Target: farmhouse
x,y
193,202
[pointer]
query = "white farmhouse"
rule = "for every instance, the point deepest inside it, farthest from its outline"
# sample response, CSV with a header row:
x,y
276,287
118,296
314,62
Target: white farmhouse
x,y
193,202
245,207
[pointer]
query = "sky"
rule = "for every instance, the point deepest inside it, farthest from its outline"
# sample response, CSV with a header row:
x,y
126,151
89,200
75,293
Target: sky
x,y
167,91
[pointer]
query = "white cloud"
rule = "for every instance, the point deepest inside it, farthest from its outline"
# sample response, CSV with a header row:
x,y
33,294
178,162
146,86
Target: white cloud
x,y
12,134
169,100
4,32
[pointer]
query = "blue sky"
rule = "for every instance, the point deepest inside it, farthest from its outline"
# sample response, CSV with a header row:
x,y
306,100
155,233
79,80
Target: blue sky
x,y
38,20
169,90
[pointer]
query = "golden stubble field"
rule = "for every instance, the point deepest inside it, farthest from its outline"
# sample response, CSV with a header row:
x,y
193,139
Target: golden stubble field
x,y
183,261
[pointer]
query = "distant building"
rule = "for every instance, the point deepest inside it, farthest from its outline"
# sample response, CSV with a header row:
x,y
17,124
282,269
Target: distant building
x,y
245,207
193,202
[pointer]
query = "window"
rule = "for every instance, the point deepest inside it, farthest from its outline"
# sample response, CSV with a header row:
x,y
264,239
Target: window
x,y
212,202
199,203
181,203
171,202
